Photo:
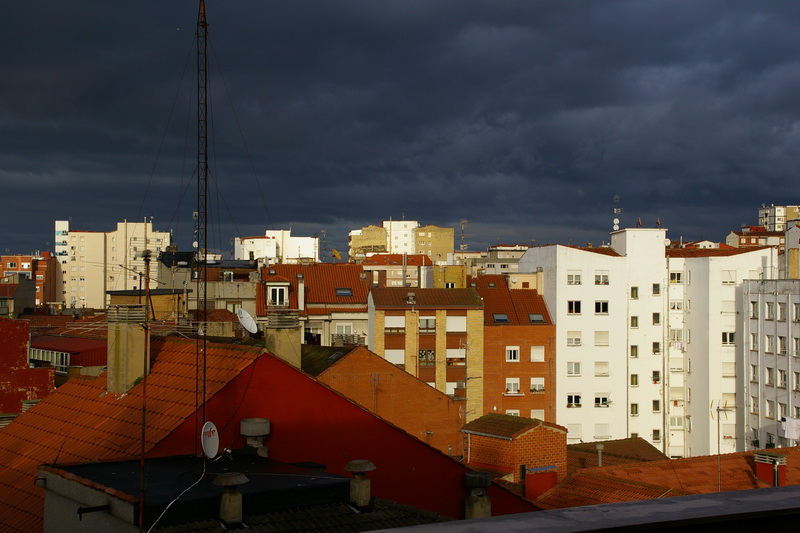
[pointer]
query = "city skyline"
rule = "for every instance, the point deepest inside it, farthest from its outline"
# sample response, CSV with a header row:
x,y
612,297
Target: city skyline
x,y
525,119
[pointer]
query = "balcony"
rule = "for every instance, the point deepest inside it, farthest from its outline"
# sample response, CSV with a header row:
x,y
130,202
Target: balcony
x,y
347,339
282,318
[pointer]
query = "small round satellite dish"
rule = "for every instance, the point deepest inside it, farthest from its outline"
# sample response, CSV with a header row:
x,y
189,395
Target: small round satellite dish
x,y
667,242
209,439
194,244
616,227
615,221
246,320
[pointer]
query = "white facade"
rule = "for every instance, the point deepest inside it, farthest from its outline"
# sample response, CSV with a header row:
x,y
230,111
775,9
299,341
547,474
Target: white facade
x,y
93,263
645,337
770,378
400,237
278,246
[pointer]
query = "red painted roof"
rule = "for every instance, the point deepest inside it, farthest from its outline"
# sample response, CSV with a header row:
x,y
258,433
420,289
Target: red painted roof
x,y
75,422
517,304
415,260
385,297
7,290
71,345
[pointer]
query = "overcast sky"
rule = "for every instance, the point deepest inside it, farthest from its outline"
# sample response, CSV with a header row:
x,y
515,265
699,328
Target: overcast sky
x,y
525,118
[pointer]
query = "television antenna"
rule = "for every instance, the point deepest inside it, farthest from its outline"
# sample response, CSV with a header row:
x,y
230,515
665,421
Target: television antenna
x,y
718,409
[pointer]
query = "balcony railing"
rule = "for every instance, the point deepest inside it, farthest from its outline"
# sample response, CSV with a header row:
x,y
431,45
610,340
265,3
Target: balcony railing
x,y
346,339
282,318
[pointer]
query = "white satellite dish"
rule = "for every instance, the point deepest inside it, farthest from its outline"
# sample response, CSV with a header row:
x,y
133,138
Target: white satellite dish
x,y
246,320
209,439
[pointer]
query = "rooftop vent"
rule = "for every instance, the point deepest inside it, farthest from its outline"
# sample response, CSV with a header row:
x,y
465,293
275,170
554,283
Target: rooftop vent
x,y
411,298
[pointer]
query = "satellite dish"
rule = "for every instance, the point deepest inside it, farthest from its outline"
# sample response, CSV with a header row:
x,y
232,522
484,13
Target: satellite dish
x,y
615,221
667,242
209,439
246,320
616,227
336,254
194,244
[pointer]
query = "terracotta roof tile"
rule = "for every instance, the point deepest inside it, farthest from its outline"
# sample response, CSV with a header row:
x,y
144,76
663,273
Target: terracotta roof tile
x,y
505,426
385,297
320,283
516,304
712,252
615,452
81,422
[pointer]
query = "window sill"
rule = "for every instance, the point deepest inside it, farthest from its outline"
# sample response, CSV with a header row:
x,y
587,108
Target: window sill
x,y
574,406
513,394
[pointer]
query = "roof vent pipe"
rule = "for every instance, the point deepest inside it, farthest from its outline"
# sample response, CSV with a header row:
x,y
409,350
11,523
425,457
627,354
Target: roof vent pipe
x,y
255,431
360,491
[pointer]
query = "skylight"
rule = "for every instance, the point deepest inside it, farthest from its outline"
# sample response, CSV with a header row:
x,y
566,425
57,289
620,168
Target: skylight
x,y
500,318
344,291
536,318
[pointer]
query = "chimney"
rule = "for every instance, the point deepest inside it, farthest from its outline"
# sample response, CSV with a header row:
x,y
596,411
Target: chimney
x,y
301,292
478,503
411,298
230,505
128,349
539,480
360,495
599,454
770,467
255,430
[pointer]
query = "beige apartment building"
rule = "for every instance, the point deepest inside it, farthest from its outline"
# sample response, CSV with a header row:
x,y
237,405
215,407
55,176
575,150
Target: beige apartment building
x,y
401,237
94,262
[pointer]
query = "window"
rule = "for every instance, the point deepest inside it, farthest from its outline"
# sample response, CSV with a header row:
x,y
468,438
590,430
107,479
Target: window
x,y
796,380
676,422
427,325
782,378
344,329
675,305
770,311
656,289
656,348
634,351
12,264
634,380
601,277
512,385
537,384
449,285
344,291
227,276
728,337
512,354
601,368
753,309
427,357
573,277
656,376
769,376
574,307
601,338
601,308
512,412
754,341
573,338
796,342
537,354
796,316
277,295
634,293
573,368
728,277
676,335
573,400
781,345
770,344
782,410
602,431
676,277
770,409
537,414
536,318
634,321
754,405
601,399
656,319
728,370
656,406
781,311
500,318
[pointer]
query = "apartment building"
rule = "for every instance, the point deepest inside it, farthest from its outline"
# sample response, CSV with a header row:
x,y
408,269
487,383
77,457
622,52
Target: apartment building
x,y
754,236
769,378
277,246
499,259
646,336
401,237
436,335
774,217
399,270
93,263
43,268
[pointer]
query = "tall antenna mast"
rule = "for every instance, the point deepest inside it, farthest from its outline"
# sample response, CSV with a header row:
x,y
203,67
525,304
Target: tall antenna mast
x,y
201,224
617,212
463,247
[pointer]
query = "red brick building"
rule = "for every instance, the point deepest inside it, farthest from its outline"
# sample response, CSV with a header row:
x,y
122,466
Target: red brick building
x,y
519,359
43,268
19,382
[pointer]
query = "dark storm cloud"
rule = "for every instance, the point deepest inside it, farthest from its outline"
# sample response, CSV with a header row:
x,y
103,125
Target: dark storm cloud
x,y
524,117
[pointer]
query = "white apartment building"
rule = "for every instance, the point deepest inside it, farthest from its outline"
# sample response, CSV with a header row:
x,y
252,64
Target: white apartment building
x,y
770,378
644,336
277,246
93,262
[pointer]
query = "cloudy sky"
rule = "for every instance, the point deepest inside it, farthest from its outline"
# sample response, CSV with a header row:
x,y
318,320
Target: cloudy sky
x,y
524,117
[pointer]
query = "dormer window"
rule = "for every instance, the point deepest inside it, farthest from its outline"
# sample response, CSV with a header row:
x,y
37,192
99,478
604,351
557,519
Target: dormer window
x,y
278,296
344,291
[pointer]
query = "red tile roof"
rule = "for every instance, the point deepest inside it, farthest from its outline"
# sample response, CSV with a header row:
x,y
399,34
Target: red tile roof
x,y
81,422
321,281
386,297
602,250
505,426
415,260
615,452
712,252
517,304
7,290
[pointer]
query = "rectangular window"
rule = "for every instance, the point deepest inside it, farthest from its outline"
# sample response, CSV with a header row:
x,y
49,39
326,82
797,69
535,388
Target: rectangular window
x,y
512,354
512,412
601,368
676,335
728,370
770,344
782,378
601,308
782,410
601,338
754,341
536,318
796,310
728,337
634,380
537,384
573,400
729,277
602,431
754,405
573,338
344,291
537,354
634,351
656,348
634,293
656,289
676,422
574,307
753,309
573,368
770,311
656,406
656,376
769,376
634,321
796,380
601,277
500,318
656,435
427,357
656,319
601,399
770,409
781,345
512,385
573,277
427,325
675,305
676,277
781,311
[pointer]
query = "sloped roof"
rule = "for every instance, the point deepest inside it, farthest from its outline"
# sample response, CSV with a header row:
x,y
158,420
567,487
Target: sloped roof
x,y
505,426
615,452
385,297
67,344
666,478
217,315
316,359
414,260
7,290
712,252
602,250
517,304
75,423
